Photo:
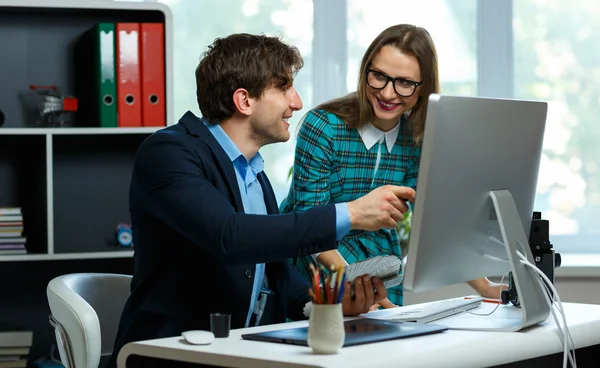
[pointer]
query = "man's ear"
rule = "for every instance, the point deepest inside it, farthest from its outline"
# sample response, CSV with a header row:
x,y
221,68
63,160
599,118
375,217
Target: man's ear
x,y
242,101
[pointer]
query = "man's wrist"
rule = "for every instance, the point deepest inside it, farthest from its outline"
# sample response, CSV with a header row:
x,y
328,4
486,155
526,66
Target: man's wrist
x,y
351,216
342,220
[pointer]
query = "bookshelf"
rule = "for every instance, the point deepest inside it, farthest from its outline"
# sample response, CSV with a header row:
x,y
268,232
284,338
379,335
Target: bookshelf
x,y
72,182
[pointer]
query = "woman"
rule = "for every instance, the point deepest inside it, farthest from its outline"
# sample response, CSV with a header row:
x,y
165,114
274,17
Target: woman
x,y
348,146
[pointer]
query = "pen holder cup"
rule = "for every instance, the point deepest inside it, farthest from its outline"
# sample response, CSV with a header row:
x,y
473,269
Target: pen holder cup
x,y
326,328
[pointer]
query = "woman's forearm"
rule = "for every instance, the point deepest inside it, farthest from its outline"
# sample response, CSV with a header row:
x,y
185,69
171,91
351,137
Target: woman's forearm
x,y
331,257
486,288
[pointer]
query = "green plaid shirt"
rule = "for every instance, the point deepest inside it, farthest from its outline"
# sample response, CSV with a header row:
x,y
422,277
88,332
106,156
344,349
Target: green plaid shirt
x,y
333,165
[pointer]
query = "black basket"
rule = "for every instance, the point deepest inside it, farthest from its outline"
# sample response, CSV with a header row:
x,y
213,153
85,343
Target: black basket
x,y
49,107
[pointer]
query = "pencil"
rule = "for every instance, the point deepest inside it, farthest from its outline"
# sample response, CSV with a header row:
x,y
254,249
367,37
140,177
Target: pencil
x,y
336,290
323,290
312,295
342,287
326,290
316,283
495,301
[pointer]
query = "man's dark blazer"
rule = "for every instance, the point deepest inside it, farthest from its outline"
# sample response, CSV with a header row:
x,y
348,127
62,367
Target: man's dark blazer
x,y
195,249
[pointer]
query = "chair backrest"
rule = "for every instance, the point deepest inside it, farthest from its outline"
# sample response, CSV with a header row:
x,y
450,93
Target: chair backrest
x,y
85,311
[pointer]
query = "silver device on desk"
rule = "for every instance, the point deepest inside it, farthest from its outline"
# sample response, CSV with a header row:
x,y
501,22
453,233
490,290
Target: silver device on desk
x,y
475,195
426,313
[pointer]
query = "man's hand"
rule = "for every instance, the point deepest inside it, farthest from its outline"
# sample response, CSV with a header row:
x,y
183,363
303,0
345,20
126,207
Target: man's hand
x,y
383,207
364,297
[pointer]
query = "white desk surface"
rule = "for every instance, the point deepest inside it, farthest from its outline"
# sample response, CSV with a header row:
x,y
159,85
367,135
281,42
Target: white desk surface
x,y
452,348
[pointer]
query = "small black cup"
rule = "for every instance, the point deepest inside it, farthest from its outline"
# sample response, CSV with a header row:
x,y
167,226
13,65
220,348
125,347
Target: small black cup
x,y
220,324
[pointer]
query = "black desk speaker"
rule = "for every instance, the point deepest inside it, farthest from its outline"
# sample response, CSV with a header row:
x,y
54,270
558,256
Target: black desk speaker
x,y
1,118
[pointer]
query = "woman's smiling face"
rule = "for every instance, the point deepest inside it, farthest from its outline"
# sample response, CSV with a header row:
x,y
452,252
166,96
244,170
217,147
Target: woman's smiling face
x,y
388,105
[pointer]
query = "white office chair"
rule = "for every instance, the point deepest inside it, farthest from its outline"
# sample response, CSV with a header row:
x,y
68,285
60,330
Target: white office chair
x,y
85,311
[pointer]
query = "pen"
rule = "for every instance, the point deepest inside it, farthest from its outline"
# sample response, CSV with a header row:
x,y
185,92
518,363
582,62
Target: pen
x,y
342,287
495,301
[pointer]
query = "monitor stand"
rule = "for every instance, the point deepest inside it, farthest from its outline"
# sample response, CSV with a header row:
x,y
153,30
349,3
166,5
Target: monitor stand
x,y
534,305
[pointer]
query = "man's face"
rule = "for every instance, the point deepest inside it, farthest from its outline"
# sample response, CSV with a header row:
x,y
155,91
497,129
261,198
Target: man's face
x,y
269,119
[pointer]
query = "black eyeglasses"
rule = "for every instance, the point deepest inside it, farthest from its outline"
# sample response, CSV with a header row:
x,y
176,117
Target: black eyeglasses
x,y
403,87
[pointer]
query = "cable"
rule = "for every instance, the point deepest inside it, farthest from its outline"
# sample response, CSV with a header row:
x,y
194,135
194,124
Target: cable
x,y
563,338
551,297
499,298
571,359
547,284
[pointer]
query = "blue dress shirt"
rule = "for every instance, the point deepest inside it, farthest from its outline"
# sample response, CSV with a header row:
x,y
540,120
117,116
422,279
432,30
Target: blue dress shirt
x,y
253,198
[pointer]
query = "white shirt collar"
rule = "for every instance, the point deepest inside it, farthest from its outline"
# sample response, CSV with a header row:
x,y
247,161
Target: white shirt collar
x,y
370,135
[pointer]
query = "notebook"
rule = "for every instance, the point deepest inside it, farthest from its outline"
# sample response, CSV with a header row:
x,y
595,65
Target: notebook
x,y
358,332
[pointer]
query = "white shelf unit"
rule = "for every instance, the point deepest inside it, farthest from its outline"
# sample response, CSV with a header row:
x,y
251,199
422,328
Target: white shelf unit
x,y
73,189
72,182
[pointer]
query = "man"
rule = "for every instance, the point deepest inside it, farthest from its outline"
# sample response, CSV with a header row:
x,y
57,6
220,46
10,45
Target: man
x,y
204,216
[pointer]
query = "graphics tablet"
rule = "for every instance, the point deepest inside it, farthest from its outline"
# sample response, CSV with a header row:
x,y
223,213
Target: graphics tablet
x,y
358,332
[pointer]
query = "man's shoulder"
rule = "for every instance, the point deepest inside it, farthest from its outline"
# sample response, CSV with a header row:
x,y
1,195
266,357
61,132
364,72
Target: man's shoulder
x,y
176,135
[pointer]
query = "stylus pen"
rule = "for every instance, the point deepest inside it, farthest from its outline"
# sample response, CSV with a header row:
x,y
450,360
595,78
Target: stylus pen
x,y
495,301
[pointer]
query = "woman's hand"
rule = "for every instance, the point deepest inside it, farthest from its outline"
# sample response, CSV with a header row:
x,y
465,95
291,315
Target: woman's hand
x,y
486,288
385,303
367,292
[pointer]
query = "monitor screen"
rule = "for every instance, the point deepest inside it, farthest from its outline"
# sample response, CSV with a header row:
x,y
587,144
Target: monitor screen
x,y
475,151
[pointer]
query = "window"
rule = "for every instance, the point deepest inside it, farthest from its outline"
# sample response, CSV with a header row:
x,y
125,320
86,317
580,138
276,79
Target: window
x,y
196,25
452,26
557,60
559,64
553,63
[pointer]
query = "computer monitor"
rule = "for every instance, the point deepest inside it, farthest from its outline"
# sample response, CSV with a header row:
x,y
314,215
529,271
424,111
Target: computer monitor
x,y
475,195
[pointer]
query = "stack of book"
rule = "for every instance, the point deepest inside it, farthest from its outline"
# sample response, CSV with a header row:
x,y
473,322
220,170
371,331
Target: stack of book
x,y
12,239
15,343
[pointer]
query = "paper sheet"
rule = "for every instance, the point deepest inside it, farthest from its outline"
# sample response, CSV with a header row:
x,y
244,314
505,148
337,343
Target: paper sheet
x,y
386,268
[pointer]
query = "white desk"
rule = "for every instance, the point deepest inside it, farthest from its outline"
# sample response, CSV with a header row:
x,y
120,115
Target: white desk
x,y
452,348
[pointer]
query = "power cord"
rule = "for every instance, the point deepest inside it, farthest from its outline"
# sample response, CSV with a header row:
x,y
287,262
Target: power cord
x,y
499,298
552,298
572,359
